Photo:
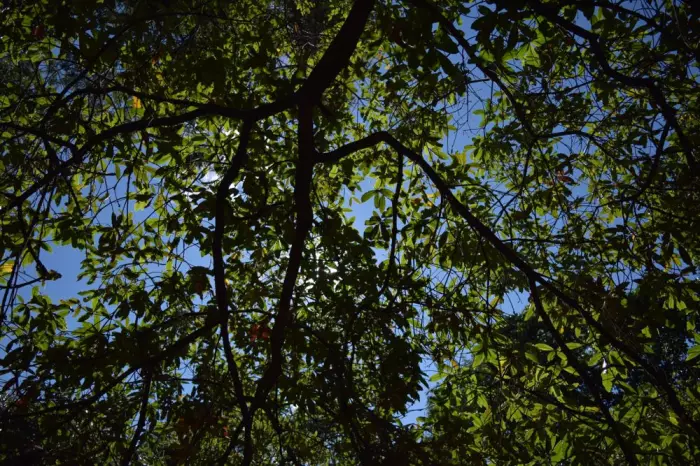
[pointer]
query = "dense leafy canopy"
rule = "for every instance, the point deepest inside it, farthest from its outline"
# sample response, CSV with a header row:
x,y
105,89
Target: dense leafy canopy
x,y
528,171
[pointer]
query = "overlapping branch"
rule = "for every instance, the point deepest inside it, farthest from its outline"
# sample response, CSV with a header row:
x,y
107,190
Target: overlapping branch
x,y
222,196
126,460
658,377
595,387
324,73
652,85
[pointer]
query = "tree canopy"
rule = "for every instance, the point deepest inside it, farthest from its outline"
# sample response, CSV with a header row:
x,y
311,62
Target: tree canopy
x,y
526,173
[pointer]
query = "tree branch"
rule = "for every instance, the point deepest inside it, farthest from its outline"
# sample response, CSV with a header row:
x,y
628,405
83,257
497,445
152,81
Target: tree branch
x,y
40,134
338,54
596,48
592,384
181,344
654,167
222,197
142,420
518,262
478,61
394,224
304,217
92,142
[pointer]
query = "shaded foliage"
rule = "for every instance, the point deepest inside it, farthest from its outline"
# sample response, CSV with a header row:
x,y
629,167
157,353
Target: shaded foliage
x,y
528,171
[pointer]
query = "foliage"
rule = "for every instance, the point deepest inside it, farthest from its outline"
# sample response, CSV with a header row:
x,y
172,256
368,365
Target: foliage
x,y
529,170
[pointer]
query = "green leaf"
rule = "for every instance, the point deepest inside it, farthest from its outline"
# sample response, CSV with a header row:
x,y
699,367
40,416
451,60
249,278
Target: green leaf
x,y
693,353
532,357
608,377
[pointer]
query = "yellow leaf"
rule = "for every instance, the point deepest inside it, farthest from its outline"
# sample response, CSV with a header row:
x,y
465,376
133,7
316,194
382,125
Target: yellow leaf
x,y
6,268
136,103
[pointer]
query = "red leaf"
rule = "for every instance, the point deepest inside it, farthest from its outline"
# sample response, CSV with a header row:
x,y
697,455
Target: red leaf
x,y
9,383
259,331
22,402
38,31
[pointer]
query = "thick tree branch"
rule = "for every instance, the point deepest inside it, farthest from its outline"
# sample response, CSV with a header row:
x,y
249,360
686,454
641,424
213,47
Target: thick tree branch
x,y
222,199
40,134
209,108
338,54
334,60
304,217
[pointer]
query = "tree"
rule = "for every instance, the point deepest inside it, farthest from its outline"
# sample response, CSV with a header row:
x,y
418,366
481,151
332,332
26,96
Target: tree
x,y
204,160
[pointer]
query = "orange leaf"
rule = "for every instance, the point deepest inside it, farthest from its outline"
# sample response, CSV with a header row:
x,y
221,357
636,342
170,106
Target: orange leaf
x,y
136,102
